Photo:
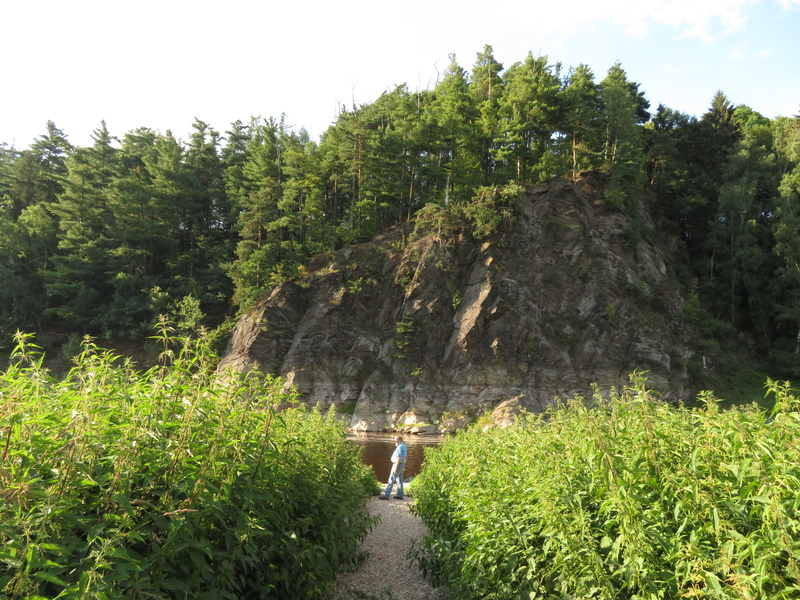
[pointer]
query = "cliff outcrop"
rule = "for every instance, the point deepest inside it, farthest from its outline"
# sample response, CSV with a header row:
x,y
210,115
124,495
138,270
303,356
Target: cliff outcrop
x,y
507,306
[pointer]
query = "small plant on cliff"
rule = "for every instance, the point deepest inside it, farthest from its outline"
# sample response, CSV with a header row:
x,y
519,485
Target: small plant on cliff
x,y
404,329
457,299
355,286
489,207
611,314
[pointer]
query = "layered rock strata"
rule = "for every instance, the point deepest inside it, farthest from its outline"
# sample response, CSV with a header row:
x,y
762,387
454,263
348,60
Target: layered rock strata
x,y
430,328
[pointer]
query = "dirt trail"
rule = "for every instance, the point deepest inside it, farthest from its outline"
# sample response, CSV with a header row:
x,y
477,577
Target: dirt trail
x,y
387,572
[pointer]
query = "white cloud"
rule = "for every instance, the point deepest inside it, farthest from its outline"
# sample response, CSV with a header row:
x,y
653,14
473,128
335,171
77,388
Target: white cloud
x,y
706,20
697,18
160,63
736,54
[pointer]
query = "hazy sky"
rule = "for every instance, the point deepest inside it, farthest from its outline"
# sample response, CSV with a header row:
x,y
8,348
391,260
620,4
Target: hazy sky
x,y
160,64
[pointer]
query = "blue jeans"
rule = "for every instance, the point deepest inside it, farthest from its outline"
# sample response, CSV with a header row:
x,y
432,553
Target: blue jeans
x,y
398,477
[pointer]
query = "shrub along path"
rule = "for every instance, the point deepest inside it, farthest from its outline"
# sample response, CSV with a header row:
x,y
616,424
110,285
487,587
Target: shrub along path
x,y
388,573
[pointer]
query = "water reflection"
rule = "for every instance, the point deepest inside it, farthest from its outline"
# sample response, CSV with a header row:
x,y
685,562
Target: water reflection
x,y
377,451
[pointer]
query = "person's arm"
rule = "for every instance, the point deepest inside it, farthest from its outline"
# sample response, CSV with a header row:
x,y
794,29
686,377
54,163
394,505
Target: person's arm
x,y
402,452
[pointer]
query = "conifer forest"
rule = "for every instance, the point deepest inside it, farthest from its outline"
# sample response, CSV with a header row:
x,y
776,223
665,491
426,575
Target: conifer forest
x,y
101,240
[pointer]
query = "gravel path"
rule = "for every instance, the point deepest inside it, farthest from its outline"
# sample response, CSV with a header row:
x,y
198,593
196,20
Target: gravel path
x,y
387,573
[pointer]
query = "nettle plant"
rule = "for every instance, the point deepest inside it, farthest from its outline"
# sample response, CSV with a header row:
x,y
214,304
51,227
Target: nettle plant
x,y
172,483
621,497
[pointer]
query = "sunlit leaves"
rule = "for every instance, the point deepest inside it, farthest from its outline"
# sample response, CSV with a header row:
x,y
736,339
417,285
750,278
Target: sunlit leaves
x,y
170,483
623,497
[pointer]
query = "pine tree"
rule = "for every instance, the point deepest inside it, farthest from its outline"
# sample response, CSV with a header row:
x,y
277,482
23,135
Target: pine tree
x,y
707,148
78,285
787,237
622,135
26,246
581,123
664,136
234,155
29,182
352,170
257,252
13,291
486,89
143,232
204,202
34,176
531,110
207,240
452,115
742,230
300,205
404,146
51,149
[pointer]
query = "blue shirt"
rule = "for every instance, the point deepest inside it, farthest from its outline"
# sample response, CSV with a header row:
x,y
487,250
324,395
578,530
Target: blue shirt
x,y
400,453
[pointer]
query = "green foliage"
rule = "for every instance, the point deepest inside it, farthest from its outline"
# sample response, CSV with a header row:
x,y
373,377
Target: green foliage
x,y
77,284
581,98
622,136
490,207
486,89
404,330
87,234
624,497
531,108
611,314
457,299
733,378
173,483
219,337
188,316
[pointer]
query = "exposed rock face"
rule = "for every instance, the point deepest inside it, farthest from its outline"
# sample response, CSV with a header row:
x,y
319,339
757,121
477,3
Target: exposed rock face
x,y
420,330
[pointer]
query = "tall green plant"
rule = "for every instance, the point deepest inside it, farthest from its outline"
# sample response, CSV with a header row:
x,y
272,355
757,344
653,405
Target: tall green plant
x,y
174,483
622,497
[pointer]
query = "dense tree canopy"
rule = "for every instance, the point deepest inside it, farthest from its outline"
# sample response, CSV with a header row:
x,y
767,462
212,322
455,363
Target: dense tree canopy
x,y
102,239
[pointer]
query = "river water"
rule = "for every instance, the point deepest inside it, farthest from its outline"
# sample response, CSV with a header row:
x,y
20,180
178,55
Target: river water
x,y
377,449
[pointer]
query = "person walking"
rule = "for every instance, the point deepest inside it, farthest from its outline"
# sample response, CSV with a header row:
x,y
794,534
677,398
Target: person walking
x,y
398,465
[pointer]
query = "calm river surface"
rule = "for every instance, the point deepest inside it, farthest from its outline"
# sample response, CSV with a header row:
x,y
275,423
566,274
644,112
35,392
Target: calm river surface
x,y
377,451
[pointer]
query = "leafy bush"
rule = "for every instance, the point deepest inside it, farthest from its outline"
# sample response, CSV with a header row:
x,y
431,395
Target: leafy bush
x,y
629,498
173,483
489,207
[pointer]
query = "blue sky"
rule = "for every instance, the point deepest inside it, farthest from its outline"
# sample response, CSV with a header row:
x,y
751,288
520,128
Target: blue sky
x,y
161,63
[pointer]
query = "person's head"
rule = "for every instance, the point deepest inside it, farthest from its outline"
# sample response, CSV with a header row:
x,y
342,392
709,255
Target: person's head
x,y
398,439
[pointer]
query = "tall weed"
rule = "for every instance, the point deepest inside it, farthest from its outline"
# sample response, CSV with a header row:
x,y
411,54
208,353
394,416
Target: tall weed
x,y
620,497
173,483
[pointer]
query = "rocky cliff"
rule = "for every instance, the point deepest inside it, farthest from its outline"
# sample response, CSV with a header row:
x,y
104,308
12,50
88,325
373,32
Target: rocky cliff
x,y
510,304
